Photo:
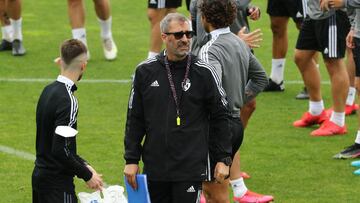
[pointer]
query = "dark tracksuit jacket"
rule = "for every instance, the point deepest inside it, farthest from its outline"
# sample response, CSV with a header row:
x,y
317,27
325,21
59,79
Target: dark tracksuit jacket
x,y
170,152
56,121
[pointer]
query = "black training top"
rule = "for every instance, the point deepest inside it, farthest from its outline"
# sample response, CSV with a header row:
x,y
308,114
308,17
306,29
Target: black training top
x,y
56,121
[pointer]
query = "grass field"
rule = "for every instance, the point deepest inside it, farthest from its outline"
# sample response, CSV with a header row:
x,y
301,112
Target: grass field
x,y
283,161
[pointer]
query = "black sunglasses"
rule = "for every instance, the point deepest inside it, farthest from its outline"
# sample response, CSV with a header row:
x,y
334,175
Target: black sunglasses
x,y
179,35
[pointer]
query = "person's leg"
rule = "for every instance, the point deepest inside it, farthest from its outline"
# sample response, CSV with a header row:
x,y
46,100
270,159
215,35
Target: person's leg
x,y
14,9
311,77
279,50
306,48
309,72
339,89
245,114
14,12
160,191
76,11
4,20
54,196
279,12
303,94
237,183
350,107
331,34
102,8
357,86
6,28
35,196
353,151
339,82
155,15
280,36
216,192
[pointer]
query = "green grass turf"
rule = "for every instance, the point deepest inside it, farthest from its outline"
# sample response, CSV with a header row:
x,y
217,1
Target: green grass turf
x,y
283,161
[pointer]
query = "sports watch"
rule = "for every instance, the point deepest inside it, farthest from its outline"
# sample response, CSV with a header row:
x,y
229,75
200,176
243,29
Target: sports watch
x,y
226,160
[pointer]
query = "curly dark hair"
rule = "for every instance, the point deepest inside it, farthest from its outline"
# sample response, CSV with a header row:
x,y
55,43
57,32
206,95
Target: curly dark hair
x,y
219,13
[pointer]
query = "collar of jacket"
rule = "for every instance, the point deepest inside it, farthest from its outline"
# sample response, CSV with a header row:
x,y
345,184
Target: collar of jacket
x,y
217,32
67,81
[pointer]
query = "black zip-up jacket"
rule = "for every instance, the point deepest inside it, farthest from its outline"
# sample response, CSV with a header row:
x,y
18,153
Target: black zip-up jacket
x,y
170,152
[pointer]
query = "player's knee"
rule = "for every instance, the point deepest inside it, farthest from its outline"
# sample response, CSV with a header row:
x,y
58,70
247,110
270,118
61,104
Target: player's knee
x,y
275,29
297,58
153,16
74,3
278,30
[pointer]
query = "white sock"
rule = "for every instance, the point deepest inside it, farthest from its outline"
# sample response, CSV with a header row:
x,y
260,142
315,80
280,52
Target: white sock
x,y
238,186
80,34
277,70
338,118
351,96
17,29
105,26
315,108
357,140
7,33
152,54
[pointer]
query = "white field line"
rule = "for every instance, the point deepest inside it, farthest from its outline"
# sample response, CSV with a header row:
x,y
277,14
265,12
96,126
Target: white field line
x,y
42,80
121,81
290,82
22,154
18,153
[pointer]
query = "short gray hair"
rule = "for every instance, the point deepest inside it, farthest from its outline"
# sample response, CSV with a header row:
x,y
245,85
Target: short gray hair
x,y
164,24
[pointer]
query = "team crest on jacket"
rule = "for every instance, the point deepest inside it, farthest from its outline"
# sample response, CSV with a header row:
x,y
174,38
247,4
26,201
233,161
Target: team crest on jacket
x,y
186,85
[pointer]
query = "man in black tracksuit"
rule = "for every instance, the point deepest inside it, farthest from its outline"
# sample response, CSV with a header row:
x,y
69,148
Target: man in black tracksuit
x,y
174,99
56,161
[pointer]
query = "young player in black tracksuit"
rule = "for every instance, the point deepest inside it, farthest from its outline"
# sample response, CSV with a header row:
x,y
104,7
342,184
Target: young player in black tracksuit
x,y
176,128
56,161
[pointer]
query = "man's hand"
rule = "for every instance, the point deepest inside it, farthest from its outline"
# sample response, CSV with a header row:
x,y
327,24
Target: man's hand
x,y
221,172
254,13
324,5
130,172
349,39
336,3
96,182
252,39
